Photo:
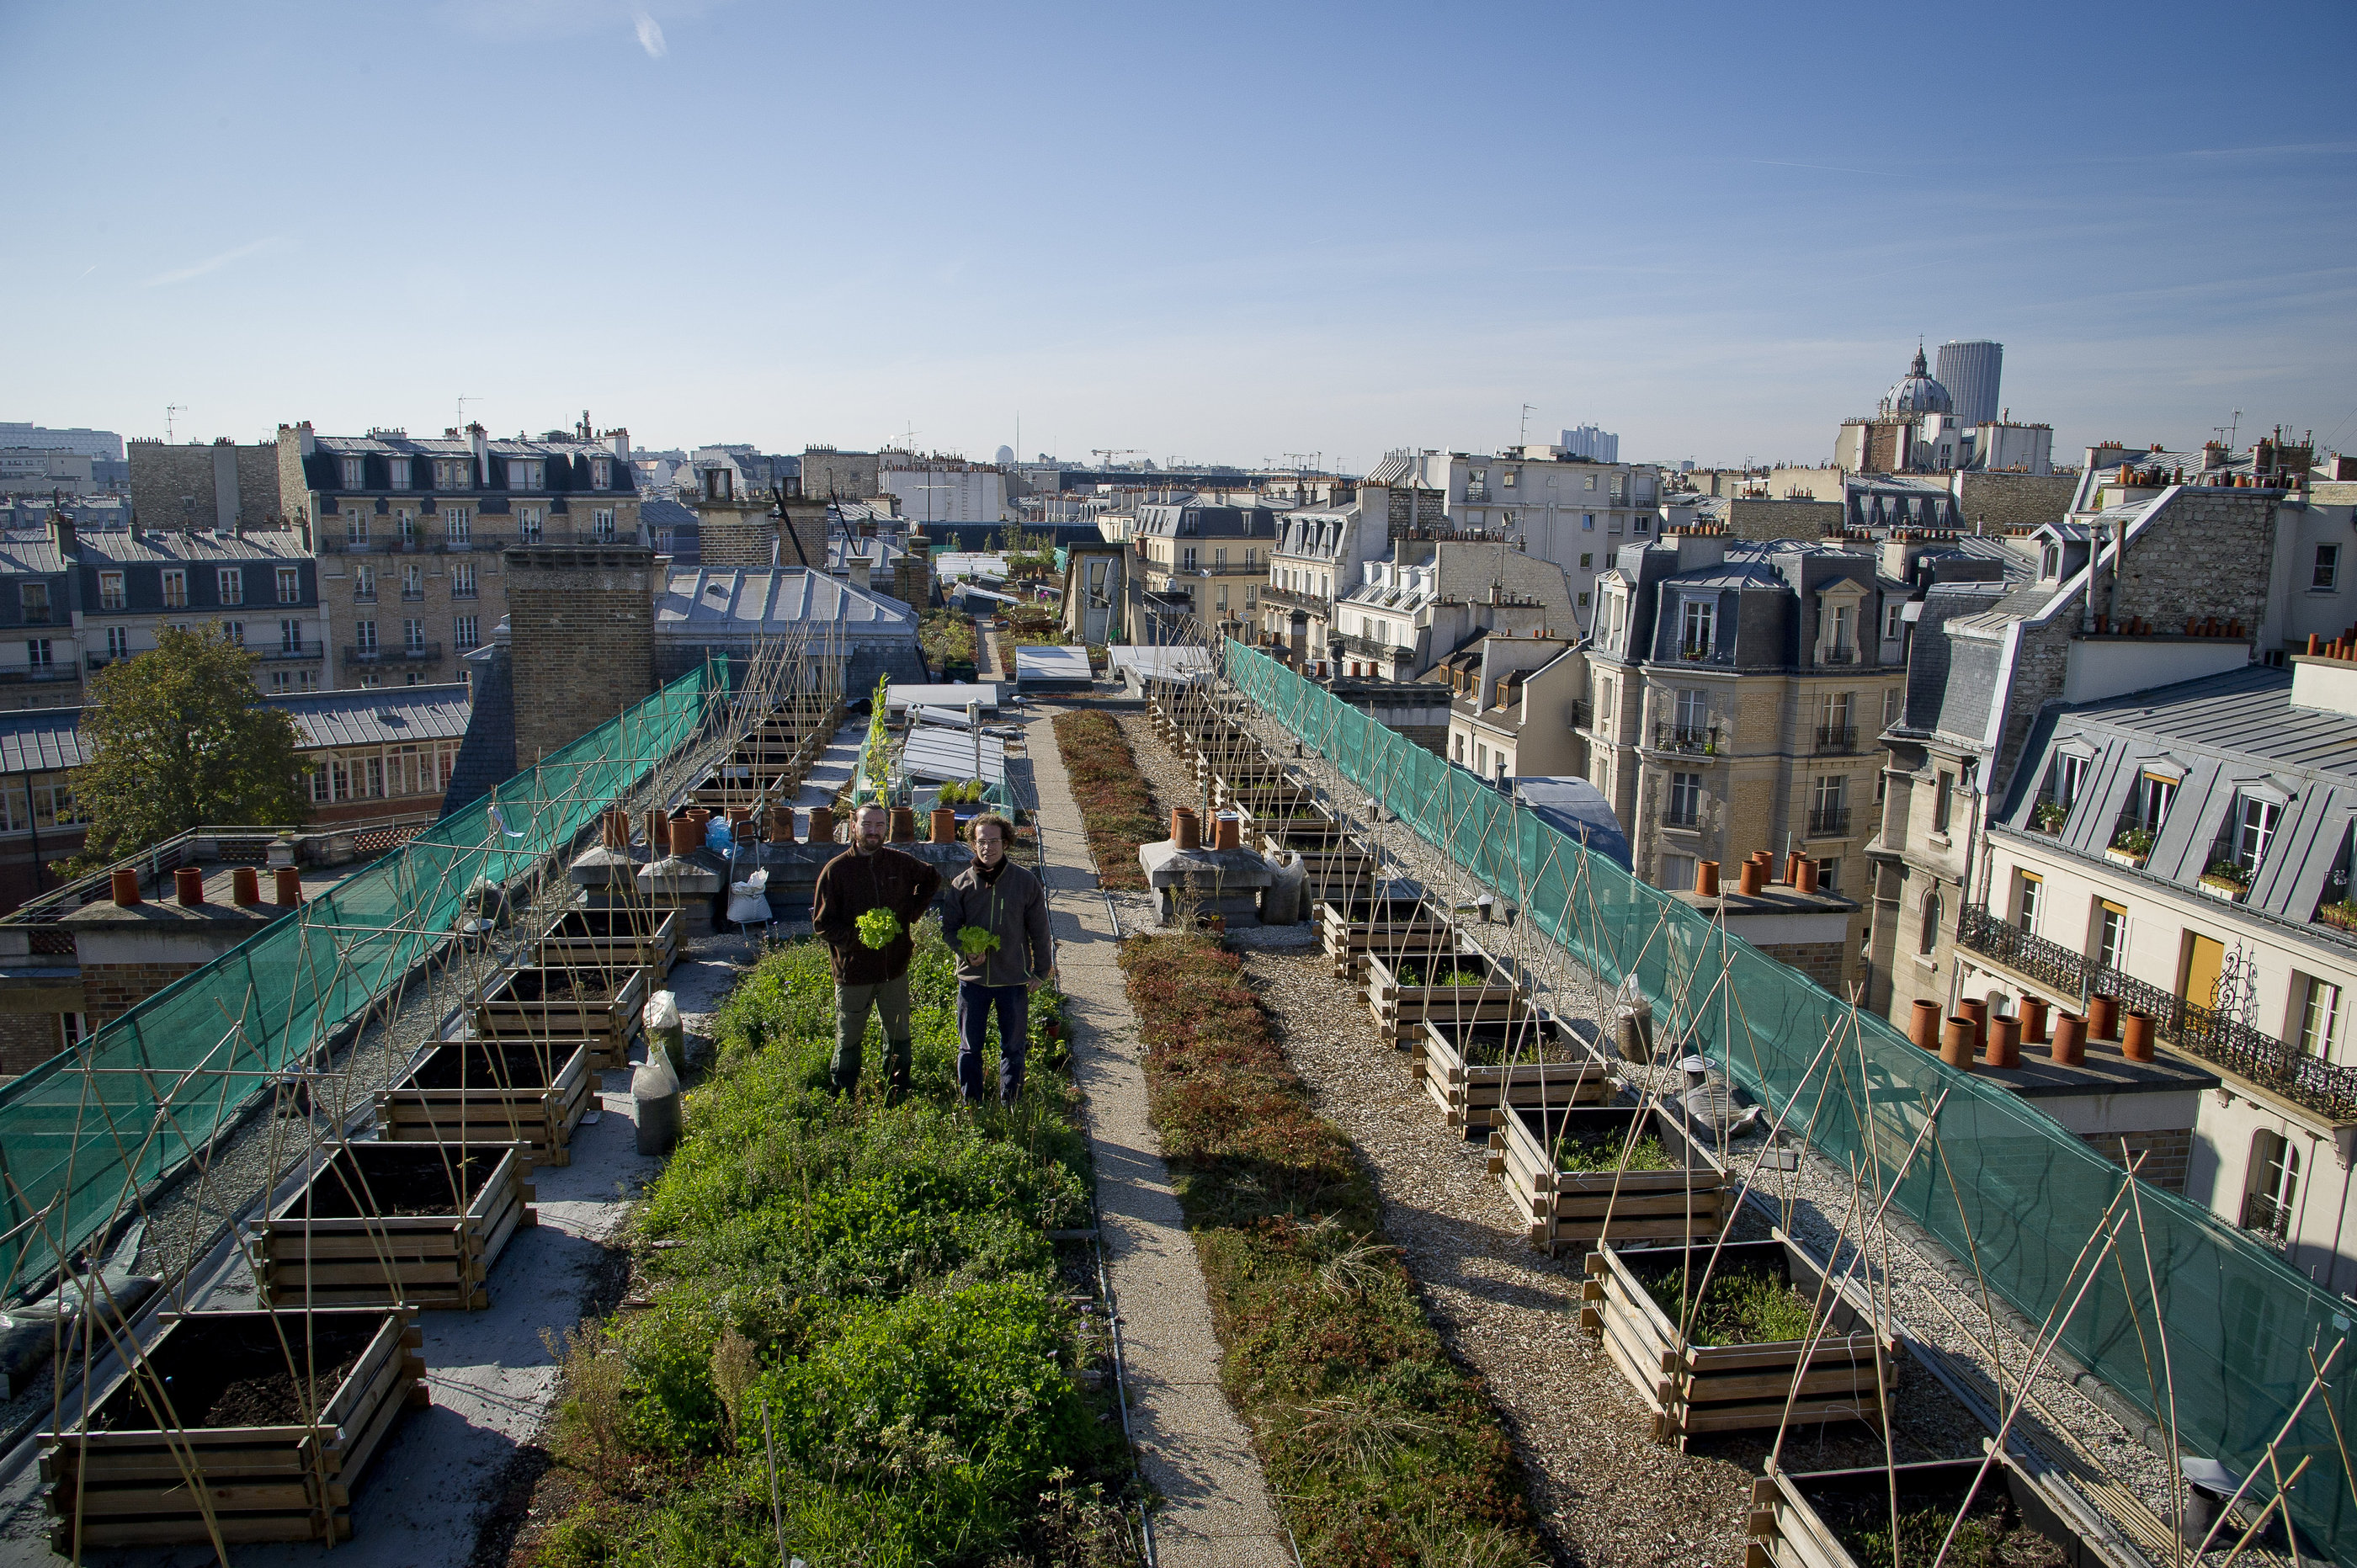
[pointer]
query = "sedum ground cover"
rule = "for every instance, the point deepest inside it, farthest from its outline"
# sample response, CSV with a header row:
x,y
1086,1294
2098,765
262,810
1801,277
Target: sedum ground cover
x,y
1116,811
866,1292
1379,1448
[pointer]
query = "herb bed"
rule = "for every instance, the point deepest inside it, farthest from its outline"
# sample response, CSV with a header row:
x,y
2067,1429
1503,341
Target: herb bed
x,y
1116,808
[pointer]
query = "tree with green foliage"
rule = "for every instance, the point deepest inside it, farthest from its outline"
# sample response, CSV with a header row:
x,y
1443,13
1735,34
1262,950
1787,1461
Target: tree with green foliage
x,y
179,738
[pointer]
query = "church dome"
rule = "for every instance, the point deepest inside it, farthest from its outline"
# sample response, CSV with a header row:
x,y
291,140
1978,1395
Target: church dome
x,y
1917,393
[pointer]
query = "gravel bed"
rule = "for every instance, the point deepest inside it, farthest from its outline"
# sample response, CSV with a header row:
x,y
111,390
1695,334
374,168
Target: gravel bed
x,y
1932,1295
1604,1491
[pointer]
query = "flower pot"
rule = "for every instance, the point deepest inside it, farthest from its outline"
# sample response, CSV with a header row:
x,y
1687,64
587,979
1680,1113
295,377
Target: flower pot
x,y
2070,1046
2102,1016
944,824
2005,1042
1924,1024
2033,1020
2135,1036
1958,1036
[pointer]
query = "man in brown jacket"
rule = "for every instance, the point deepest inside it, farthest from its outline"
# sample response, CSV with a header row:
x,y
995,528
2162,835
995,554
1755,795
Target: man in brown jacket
x,y
870,874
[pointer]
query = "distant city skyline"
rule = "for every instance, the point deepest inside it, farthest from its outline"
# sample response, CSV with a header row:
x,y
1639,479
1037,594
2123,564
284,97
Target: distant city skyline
x,y
565,212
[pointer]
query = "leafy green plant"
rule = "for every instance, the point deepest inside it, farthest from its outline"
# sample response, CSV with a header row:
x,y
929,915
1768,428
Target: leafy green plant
x,y
2050,816
2133,841
878,928
1739,1306
974,941
1604,1153
2228,871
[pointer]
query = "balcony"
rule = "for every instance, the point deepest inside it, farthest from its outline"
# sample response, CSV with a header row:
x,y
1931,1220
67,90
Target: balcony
x,y
1699,739
409,653
299,649
37,672
1359,646
413,595
1829,822
363,595
1581,714
2196,1030
1837,740
1840,653
1292,599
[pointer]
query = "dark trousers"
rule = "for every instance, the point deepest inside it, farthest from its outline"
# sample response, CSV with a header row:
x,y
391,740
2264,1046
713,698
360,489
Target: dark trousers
x,y
974,1009
889,1000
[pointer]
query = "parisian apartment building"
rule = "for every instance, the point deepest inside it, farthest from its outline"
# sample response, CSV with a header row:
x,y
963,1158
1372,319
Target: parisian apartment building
x,y
408,533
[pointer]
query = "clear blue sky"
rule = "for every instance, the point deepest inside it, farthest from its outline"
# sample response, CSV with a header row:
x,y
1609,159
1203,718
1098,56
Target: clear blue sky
x,y
1221,232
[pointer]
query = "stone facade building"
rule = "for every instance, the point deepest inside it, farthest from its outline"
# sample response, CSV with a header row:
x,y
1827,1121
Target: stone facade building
x,y
1426,600
1208,561
408,533
830,475
1734,691
217,485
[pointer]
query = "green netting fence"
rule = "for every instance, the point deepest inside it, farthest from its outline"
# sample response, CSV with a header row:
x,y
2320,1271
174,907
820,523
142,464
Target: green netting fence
x,y
84,1132
2001,1182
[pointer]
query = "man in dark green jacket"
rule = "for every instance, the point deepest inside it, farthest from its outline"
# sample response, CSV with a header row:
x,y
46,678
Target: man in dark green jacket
x,y
1009,956
870,874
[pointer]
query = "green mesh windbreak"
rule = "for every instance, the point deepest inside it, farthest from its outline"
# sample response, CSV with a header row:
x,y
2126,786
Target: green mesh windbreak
x,y
83,1132
2001,1183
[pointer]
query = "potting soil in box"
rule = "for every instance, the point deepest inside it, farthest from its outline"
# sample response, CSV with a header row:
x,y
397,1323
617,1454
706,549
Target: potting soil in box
x,y
618,938
1842,1518
1575,1171
266,1419
1734,1363
395,1222
589,1004
1398,928
1471,1070
1466,986
532,1092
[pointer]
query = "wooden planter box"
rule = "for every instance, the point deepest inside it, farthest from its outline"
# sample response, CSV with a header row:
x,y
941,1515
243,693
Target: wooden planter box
x,y
532,1092
617,938
1336,865
1798,1520
395,1224
132,1481
1694,1388
597,1005
1680,1204
1401,1010
1394,927
1472,1069
1275,800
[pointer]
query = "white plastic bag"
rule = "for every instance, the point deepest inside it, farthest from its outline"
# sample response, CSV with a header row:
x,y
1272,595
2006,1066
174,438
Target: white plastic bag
x,y
661,1011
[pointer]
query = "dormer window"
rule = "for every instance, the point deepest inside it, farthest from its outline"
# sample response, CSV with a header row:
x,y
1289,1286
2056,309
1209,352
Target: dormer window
x,y
601,473
355,472
399,468
2050,563
453,473
527,474
1699,628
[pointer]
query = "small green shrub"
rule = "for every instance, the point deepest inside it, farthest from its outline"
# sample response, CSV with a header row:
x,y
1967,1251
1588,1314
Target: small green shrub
x,y
1739,1306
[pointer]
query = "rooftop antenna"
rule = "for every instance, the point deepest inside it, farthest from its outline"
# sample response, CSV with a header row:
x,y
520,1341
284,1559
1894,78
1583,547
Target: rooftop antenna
x,y
1524,439
169,410
464,399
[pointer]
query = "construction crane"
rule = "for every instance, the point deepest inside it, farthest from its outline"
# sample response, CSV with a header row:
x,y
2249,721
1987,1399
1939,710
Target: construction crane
x,y
1109,453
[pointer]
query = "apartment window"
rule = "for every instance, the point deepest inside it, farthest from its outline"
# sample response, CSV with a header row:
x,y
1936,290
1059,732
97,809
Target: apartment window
x,y
319,784
399,468
602,525
2148,804
1187,559
406,526
356,528
527,525
1677,871
1943,802
1508,481
462,580
281,681
462,633
2111,934
601,474
2327,575
1460,751
1927,938
1828,810
1894,625
1220,559
1699,627
290,584
527,474
1643,524
111,596
2050,563
305,680
233,633
2274,1184
1891,695
1694,714
1844,619
2254,826
1481,758
2319,1017
1591,481
453,473
355,470
376,777
2069,777
175,590
370,683
412,635
118,642
230,581
33,598
1583,601
458,525
1685,799
413,582
2029,899
1587,522
39,654
363,585
364,636
290,636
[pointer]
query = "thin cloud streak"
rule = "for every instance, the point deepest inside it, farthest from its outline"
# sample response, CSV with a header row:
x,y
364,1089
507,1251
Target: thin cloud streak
x,y
212,263
650,36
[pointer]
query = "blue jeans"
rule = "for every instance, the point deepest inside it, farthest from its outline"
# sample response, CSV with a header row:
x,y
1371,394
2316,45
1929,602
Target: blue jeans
x,y
974,1003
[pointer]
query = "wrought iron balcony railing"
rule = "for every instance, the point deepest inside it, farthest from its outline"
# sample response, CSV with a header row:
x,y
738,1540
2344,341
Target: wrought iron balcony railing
x,y
1702,738
1829,821
1837,740
394,653
2196,1030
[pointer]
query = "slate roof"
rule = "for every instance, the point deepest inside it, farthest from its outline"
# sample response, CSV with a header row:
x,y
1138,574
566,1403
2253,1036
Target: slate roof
x,y
40,740
385,715
205,545
706,603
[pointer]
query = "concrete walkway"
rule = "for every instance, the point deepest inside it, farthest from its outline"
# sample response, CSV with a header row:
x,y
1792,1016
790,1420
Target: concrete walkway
x,y
1215,1509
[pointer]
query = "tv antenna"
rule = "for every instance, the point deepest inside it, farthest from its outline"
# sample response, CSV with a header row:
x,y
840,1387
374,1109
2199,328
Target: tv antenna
x,y
1524,439
464,399
2230,431
171,409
